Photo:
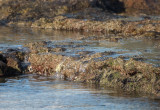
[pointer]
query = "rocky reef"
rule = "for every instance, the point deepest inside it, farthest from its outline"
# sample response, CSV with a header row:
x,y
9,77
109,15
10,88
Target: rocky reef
x,y
128,75
80,15
144,28
83,15
31,10
86,67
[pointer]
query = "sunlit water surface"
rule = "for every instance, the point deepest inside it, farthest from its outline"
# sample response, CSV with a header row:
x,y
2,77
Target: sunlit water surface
x,y
32,92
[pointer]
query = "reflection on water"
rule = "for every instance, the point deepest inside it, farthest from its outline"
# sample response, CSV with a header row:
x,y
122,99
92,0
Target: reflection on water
x,y
142,49
36,92
25,35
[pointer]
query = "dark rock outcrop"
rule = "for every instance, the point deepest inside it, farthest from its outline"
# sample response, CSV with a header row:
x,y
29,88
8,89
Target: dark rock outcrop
x,y
142,6
111,5
131,6
11,63
3,67
10,68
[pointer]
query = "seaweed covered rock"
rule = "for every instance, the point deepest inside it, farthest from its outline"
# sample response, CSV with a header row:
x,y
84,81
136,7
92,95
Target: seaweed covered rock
x,y
128,75
145,28
31,10
131,75
82,15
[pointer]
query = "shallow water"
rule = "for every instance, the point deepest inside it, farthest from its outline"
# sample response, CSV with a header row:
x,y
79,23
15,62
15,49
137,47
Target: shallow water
x,y
142,49
32,92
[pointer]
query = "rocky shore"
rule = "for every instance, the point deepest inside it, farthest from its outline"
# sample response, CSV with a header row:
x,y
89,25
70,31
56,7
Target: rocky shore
x,y
84,15
45,58
86,67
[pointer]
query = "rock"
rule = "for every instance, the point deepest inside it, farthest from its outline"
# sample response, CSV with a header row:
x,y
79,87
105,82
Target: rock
x,y
14,63
15,58
142,6
112,5
1,73
2,80
118,64
58,49
44,64
12,67
2,58
30,10
151,34
131,6
3,67
128,75
130,67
